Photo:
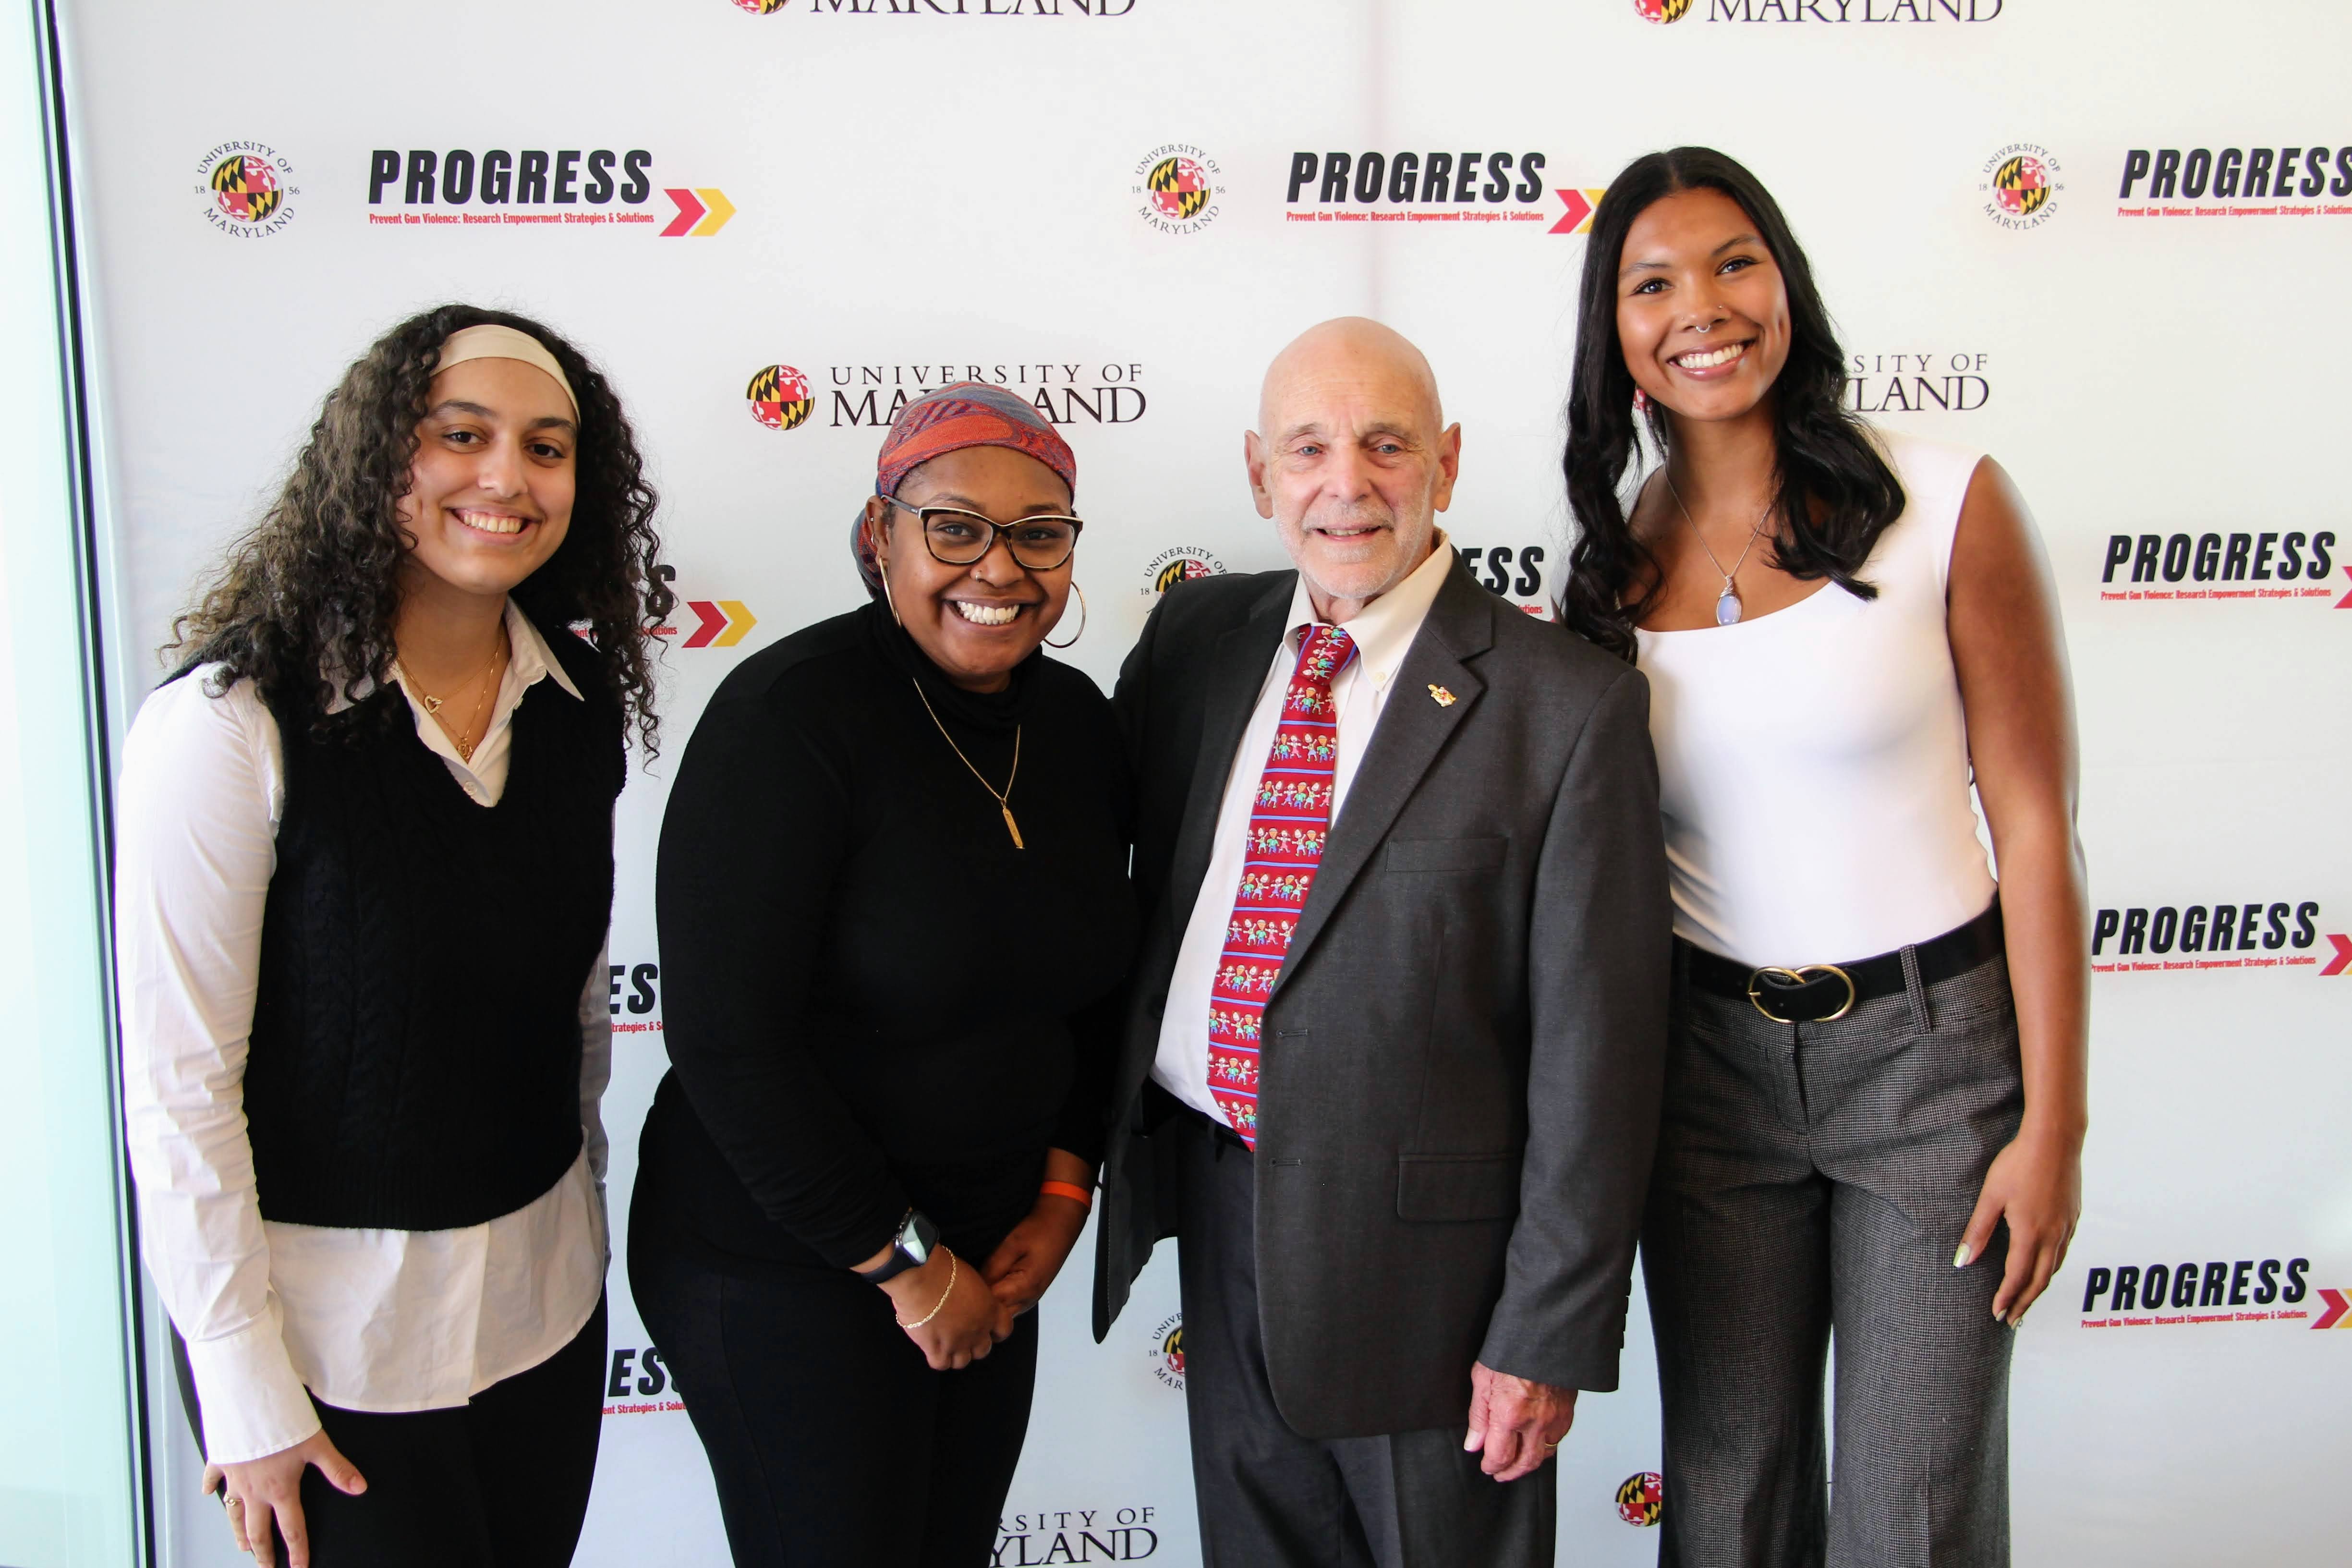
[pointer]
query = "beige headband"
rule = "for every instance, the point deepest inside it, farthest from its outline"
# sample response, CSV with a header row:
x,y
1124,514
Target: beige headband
x,y
489,341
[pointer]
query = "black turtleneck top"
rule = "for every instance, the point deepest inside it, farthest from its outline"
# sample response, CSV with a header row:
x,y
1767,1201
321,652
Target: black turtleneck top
x,y
872,1000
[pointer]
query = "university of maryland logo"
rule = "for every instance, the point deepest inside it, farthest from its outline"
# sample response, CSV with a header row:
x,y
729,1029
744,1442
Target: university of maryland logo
x,y
1166,1351
2021,185
1178,185
1184,564
1663,10
245,188
1641,1497
770,7
1186,570
1179,188
780,396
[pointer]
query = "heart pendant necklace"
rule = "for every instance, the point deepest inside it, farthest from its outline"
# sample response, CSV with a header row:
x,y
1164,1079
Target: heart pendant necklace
x,y
433,705
1727,606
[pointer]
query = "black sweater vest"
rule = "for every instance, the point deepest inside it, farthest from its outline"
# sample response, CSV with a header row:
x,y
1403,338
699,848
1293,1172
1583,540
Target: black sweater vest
x,y
415,1055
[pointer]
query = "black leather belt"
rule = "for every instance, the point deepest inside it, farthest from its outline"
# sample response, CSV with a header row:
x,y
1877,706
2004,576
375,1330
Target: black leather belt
x,y
1819,993
1160,1107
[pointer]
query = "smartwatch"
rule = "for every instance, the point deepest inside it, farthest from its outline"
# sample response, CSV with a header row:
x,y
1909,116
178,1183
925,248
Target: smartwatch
x,y
910,1249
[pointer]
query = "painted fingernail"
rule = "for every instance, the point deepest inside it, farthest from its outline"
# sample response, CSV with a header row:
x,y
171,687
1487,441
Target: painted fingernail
x,y
1960,1259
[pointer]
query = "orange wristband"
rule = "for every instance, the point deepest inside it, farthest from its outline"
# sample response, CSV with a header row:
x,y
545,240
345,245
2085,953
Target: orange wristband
x,y
1068,1190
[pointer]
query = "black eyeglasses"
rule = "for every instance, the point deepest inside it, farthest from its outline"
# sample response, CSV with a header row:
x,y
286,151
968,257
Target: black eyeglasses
x,y
957,537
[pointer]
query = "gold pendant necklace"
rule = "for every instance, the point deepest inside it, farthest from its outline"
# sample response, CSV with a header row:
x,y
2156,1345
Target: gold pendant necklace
x,y
1010,825
433,705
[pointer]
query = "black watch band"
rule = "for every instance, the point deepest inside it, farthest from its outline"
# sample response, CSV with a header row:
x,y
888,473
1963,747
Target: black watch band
x,y
910,1249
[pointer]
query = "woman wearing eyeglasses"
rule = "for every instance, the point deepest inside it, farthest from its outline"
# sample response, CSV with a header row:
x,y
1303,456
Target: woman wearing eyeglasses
x,y
894,906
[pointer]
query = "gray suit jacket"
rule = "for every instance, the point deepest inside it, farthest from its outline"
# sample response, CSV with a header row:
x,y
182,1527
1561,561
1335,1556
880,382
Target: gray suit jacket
x,y
1461,1063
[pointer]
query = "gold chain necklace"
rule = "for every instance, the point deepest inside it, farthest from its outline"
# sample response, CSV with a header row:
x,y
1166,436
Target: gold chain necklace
x,y
432,704
1010,825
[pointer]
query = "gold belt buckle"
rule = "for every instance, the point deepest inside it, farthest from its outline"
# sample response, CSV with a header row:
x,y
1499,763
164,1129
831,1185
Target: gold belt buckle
x,y
1801,977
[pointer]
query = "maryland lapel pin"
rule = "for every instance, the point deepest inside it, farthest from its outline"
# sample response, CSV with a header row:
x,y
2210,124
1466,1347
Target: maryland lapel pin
x,y
1442,698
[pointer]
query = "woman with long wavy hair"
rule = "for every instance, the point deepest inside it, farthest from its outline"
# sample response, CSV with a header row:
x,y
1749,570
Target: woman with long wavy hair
x,y
1876,1089
364,878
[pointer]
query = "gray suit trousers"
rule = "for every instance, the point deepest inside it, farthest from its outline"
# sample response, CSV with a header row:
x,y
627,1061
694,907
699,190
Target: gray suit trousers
x,y
1270,1498
1812,1179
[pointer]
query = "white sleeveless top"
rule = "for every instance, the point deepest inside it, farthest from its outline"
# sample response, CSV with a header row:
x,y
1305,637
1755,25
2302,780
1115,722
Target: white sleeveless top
x,y
1813,763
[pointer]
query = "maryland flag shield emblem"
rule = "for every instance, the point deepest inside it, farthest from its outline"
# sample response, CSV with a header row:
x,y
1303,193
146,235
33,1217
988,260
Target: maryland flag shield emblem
x,y
780,397
1179,187
2021,185
245,188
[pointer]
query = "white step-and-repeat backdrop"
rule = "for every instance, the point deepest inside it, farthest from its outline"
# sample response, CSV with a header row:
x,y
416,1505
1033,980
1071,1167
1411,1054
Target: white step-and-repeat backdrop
x,y
2109,242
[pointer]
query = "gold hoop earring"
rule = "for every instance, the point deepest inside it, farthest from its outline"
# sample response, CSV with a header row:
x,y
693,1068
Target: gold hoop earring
x,y
882,570
1081,593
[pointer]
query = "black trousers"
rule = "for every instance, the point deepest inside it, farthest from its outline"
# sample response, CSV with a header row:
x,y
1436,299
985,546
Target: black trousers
x,y
500,1481
833,1443
1270,1498
1813,1180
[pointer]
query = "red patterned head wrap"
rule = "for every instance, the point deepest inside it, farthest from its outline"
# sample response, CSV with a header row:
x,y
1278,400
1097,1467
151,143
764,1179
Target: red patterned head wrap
x,y
965,414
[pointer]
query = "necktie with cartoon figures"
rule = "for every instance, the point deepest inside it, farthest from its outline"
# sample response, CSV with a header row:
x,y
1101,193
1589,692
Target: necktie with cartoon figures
x,y
1289,820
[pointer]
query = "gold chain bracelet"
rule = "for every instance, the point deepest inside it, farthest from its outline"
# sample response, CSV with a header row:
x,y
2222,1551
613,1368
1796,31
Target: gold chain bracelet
x,y
927,1316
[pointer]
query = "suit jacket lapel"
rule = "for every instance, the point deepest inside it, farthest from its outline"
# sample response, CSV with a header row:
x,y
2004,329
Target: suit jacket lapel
x,y
1235,674
1413,727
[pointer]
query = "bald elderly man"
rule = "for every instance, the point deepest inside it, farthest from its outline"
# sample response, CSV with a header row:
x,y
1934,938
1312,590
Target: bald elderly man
x,y
1391,1074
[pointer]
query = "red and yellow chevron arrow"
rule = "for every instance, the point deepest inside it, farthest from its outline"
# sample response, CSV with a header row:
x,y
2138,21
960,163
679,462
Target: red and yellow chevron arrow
x,y
2337,964
725,623
2346,602
2336,1307
1578,219
702,211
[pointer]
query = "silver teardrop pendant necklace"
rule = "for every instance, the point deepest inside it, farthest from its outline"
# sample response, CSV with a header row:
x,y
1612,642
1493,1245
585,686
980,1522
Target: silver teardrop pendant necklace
x,y
1726,603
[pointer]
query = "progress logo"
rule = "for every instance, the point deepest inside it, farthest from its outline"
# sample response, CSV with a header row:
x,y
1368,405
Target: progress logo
x,y
2282,180
578,187
2205,1293
1433,186
2284,565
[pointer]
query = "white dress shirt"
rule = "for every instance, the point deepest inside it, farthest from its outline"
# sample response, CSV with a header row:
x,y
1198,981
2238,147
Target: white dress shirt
x,y
366,1319
1382,632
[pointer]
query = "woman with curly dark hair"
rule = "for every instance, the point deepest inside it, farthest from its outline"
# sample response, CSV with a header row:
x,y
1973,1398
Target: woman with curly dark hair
x,y
1875,1080
364,878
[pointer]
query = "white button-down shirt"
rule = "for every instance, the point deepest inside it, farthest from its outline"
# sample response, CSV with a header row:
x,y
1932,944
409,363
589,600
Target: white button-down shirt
x,y
367,1319
1382,632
